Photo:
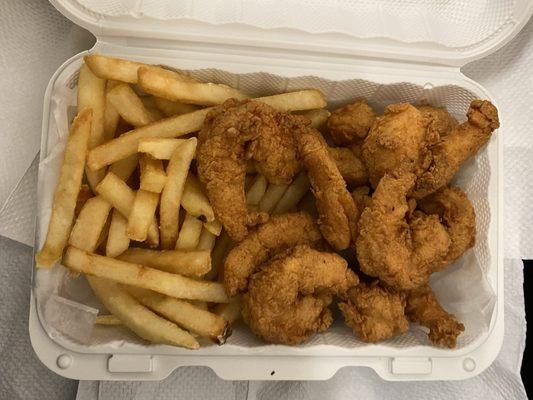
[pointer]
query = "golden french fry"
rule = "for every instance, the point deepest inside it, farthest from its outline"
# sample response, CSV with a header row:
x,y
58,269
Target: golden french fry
x,y
109,320
200,304
185,314
294,193
125,167
122,197
190,232
174,89
113,68
137,317
206,241
231,311
172,108
91,94
153,176
173,74
149,104
128,143
144,277
256,192
222,246
215,227
111,116
117,240
129,105
317,117
89,224
67,189
296,101
84,194
189,263
142,215
177,170
194,200
159,148
272,196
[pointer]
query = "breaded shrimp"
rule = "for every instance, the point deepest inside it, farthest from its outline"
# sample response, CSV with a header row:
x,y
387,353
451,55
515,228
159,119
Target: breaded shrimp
x,y
335,205
374,312
278,234
350,166
234,133
398,142
288,299
351,123
397,248
458,217
423,308
457,147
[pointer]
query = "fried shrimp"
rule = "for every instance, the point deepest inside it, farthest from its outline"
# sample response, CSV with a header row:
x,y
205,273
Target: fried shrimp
x,y
351,123
441,120
458,217
288,299
350,166
457,147
336,208
423,308
234,133
279,233
374,312
398,142
398,248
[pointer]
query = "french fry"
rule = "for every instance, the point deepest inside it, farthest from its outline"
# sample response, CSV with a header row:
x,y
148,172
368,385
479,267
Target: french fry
x,y
172,108
108,320
215,227
149,104
256,192
142,215
308,204
113,68
111,116
175,89
177,170
202,305
128,143
194,200
91,94
125,167
159,148
144,277
117,240
89,224
317,117
184,314
139,318
172,74
190,232
222,246
66,192
296,101
272,196
84,194
119,194
207,240
129,105
294,193
189,263
153,176
231,311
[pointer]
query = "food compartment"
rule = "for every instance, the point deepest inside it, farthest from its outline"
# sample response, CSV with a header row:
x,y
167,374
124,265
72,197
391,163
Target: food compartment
x,y
467,289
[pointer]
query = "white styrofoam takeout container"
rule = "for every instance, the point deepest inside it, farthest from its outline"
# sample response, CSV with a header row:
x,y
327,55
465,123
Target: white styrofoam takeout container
x,y
193,39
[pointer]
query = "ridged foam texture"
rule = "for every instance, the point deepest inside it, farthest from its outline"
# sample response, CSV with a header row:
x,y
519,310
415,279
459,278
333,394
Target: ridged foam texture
x,y
454,291
451,23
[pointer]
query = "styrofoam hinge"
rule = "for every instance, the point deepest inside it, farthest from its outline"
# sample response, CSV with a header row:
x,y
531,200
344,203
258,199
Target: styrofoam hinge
x,y
129,363
411,365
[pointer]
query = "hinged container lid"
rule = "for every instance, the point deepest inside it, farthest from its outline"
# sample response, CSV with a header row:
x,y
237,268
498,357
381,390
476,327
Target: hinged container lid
x,y
449,32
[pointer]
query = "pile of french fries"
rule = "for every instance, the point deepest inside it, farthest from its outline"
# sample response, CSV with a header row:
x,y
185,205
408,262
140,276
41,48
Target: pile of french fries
x,y
129,211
